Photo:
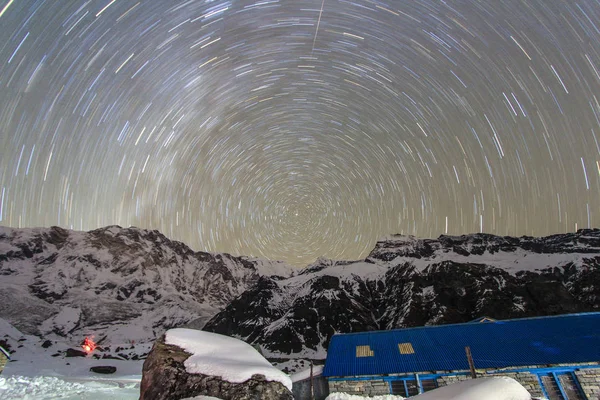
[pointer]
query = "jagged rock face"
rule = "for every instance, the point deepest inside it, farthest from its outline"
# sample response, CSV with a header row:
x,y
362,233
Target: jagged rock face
x,y
164,377
120,284
407,282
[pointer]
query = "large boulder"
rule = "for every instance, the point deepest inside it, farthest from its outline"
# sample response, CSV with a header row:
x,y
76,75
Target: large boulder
x,y
165,376
75,353
104,369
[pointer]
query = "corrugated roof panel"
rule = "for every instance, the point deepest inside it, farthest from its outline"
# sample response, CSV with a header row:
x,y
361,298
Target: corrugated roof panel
x,y
560,339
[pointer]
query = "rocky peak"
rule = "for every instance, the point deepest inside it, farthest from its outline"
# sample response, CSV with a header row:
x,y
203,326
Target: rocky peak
x,y
401,246
388,249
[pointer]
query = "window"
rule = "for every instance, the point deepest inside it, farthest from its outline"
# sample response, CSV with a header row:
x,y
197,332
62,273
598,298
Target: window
x,y
406,348
405,387
410,386
364,351
428,384
561,386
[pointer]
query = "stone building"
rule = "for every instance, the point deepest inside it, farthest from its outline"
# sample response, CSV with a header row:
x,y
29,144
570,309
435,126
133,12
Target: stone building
x,y
4,357
555,357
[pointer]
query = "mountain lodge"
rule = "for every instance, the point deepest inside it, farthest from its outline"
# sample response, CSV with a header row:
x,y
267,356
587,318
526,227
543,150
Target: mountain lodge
x,y
556,357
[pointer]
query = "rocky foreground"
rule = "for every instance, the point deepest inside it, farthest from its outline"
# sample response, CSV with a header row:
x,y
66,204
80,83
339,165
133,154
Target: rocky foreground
x,y
170,372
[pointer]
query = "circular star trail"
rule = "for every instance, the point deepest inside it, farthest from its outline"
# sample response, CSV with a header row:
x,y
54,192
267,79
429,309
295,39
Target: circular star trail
x,y
297,129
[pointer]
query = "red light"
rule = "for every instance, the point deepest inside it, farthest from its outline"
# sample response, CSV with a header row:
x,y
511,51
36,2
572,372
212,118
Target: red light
x,y
88,345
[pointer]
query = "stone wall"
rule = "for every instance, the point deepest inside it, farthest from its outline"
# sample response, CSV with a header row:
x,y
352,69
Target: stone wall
x,y
450,379
379,387
527,379
589,379
363,388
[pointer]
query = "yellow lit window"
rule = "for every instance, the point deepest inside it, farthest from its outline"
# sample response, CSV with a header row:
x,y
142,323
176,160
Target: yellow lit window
x,y
406,348
364,351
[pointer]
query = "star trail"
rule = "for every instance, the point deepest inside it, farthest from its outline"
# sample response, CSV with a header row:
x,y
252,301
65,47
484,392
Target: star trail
x,y
297,129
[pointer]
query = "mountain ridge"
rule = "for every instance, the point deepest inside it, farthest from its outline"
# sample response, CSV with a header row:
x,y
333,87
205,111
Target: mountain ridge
x,y
127,285
407,282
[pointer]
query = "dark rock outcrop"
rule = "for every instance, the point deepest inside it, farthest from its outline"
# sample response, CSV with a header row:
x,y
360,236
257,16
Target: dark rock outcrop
x,y
75,353
104,369
164,377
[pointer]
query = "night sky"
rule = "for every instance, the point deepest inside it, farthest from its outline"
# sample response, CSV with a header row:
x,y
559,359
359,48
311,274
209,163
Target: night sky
x,y
297,129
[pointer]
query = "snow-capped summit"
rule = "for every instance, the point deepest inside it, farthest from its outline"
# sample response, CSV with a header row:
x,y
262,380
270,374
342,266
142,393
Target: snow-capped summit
x,y
585,241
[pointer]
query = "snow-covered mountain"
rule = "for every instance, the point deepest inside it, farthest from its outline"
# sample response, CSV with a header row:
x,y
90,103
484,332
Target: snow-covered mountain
x,y
122,285
126,285
407,281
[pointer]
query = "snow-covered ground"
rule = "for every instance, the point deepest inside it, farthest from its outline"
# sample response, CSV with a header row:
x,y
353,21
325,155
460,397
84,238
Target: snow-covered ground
x,y
346,396
35,372
43,372
49,387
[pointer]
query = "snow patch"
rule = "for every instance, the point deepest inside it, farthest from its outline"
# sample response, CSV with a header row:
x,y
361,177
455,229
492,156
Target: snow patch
x,y
494,388
428,291
346,396
41,387
63,322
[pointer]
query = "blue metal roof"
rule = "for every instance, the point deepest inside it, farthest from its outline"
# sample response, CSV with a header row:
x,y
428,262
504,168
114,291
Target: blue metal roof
x,y
571,338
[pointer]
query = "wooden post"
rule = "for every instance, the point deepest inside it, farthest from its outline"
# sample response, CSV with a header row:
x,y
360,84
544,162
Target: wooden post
x,y
471,363
312,390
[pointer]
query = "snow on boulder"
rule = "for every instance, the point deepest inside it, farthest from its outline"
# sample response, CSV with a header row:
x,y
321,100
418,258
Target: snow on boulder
x,y
187,363
493,388
219,355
